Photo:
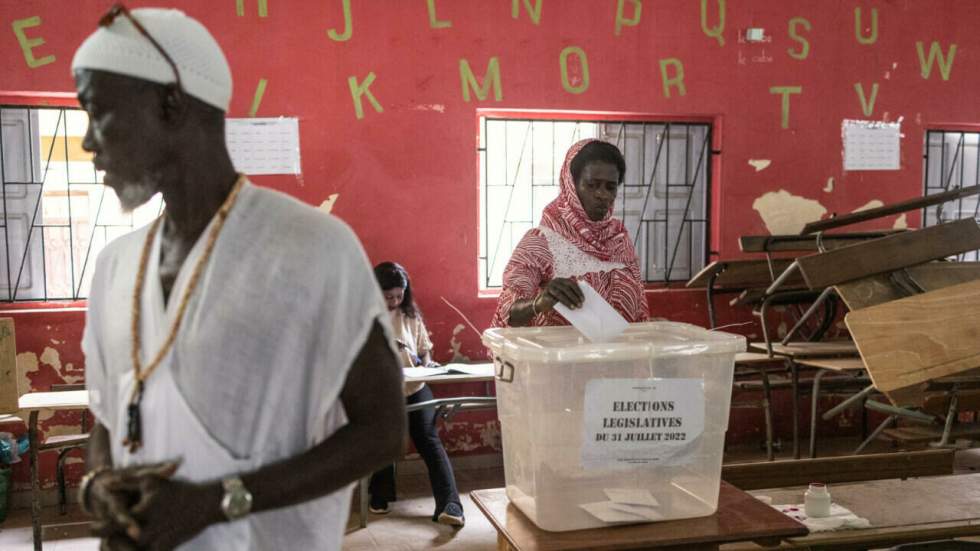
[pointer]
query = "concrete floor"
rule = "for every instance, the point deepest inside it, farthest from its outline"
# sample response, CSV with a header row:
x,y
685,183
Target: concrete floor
x,y
408,526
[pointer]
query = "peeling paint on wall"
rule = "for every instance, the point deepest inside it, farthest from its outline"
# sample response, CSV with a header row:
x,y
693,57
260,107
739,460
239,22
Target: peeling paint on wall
x,y
327,205
760,164
26,365
431,107
901,223
455,344
785,213
872,204
830,185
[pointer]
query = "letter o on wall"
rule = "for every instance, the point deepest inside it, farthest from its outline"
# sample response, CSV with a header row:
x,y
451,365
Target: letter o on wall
x,y
583,62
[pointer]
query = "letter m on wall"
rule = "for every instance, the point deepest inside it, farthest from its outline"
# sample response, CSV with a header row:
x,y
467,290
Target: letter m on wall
x,y
490,79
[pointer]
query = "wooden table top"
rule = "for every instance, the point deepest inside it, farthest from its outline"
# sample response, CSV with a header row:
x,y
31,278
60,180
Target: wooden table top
x,y
797,350
833,364
482,372
740,517
915,509
70,399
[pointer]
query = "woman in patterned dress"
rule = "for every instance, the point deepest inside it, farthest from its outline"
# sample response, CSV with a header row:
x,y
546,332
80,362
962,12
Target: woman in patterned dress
x,y
577,240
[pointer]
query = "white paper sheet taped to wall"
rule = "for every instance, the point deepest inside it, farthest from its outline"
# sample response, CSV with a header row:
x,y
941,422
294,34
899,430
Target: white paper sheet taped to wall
x,y
871,145
264,145
641,421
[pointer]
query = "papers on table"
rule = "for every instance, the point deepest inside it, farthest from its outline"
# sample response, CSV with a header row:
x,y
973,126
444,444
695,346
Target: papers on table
x,y
596,319
625,505
480,370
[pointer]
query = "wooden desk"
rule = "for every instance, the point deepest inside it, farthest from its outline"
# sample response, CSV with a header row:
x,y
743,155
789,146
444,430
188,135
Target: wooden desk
x,y
740,517
33,403
900,511
823,367
792,353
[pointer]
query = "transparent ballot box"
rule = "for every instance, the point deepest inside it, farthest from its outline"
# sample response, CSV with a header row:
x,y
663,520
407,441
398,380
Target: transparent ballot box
x,y
626,431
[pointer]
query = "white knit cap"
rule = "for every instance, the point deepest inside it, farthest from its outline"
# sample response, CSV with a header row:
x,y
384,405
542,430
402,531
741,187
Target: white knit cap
x,y
120,48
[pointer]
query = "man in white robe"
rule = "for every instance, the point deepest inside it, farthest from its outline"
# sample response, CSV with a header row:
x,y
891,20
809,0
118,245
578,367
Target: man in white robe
x,y
281,385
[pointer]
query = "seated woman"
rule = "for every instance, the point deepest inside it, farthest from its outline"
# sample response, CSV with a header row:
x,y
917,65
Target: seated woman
x,y
415,350
577,239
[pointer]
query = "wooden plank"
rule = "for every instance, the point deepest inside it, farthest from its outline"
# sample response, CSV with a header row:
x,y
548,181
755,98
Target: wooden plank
x,y
736,275
894,208
889,253
798,243
876,289
753,358
833,364
740,517
836,470
907,342
797,350
920,434
8,367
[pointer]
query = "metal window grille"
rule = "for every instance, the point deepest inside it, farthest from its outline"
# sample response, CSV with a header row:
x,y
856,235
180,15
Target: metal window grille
x,y
663,201
951,162
57,215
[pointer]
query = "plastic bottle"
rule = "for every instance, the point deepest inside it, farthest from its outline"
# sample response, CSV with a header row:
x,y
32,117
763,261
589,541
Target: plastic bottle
x,y
816,501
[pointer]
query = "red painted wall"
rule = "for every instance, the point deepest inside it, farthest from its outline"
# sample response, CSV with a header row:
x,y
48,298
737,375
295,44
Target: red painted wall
x,y
407,177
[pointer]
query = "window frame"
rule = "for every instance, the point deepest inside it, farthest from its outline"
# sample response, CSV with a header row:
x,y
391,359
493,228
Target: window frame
x,y
79,296
712,166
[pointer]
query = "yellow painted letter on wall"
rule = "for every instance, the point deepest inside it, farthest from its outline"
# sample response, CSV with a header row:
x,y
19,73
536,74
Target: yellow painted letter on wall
x,y
717,31
583,61
361,90
859,32
676,80
533,11
785,91
433,19
935,51
491,78
27,45
867,105
623,21
348,27
263,8
804,43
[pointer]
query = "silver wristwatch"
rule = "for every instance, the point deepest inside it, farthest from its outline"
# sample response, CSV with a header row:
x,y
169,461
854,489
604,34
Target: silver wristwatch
x,y
238,500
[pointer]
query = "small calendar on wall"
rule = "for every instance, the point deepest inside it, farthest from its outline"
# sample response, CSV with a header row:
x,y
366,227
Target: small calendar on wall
x,y
871,145
264,145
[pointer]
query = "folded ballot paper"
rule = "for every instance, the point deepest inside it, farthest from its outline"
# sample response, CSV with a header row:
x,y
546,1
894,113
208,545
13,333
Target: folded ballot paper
x,y
596,319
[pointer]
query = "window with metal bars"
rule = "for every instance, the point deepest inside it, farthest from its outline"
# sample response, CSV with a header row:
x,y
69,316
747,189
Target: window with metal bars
x,y
57,215
951,162
663,201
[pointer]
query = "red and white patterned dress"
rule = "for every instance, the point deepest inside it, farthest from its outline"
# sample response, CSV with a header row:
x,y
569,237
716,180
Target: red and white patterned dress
x,y
568,244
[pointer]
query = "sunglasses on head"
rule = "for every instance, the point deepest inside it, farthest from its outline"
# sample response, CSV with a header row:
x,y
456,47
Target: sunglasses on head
x,y
121,10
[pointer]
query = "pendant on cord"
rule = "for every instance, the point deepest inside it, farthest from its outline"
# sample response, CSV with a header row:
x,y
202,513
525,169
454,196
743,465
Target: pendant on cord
x,y
134,425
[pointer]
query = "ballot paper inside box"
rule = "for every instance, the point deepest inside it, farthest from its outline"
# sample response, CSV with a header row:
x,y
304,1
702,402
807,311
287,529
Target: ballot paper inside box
x,y
626,431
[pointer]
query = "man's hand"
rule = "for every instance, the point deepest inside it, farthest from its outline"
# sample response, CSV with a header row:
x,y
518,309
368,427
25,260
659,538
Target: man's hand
x,y
171,511
560,289
112,494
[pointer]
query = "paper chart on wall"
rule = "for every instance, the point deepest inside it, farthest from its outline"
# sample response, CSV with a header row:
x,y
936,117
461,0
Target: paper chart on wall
x,y
264,145
871,145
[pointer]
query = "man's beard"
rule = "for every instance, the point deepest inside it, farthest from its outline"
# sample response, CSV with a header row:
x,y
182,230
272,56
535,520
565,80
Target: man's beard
x,y
135,194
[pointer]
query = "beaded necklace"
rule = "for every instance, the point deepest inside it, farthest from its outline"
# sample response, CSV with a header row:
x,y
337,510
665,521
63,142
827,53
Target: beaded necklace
x,y
134,429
